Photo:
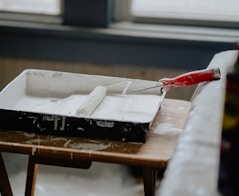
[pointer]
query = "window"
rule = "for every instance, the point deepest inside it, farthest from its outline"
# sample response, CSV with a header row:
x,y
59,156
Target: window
x,y
51,7
43,11
194,12
70,12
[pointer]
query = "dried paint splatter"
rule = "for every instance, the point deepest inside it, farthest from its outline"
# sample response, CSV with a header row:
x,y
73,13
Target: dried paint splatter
x,y
167,129
89,146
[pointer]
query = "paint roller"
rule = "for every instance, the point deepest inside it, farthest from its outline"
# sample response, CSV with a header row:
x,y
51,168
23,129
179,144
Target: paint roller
x,y
92,101
96,97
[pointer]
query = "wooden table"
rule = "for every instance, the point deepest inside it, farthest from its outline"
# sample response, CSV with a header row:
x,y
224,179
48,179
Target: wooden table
x,y
80,152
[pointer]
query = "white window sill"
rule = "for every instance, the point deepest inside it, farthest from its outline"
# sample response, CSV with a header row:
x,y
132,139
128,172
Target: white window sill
x,y
174,32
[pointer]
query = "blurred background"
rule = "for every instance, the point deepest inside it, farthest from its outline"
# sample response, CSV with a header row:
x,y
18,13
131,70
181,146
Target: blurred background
x,y
146,39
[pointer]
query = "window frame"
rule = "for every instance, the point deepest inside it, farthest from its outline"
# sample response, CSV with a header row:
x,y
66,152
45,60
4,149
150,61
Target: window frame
x,y
77,12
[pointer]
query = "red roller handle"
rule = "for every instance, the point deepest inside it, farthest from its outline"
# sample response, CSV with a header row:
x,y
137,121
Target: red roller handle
x,y
191,78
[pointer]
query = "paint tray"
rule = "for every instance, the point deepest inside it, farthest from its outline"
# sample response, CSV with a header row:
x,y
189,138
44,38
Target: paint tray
x,y
46,102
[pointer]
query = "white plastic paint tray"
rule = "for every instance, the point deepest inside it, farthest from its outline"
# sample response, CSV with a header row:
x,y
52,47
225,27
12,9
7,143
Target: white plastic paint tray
x,y
46,102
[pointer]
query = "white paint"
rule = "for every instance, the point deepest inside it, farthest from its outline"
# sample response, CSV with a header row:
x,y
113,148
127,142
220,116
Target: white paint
x,y
94,146
167,129
35,141
72,155
135,108
105,124
29,134
92,101
80,129
58,139
61,93
33,151
67,143
89,146
180,108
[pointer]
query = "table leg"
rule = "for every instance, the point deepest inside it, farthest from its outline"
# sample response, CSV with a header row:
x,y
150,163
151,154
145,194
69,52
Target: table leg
x,y
31,176
33,168
149,177
5,188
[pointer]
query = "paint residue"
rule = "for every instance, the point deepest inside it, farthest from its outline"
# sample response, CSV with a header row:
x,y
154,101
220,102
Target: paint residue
x,y
167,129
89,146
35,141
58,139
105,124
67,143
29,134
33,151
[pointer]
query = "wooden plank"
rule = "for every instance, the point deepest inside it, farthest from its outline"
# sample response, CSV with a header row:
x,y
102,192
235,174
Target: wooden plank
x,y
32,170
